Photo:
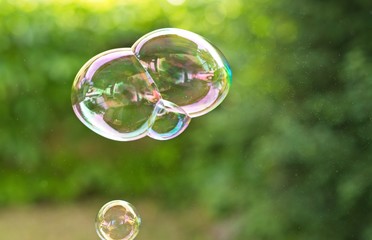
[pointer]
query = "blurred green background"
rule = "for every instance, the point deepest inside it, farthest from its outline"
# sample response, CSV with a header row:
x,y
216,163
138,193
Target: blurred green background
x,y
287,155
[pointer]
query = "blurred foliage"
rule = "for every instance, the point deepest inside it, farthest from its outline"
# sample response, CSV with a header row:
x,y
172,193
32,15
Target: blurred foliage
x,y
286,156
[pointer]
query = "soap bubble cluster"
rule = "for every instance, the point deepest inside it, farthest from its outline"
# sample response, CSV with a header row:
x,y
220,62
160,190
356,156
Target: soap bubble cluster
x,y
117,220
154,88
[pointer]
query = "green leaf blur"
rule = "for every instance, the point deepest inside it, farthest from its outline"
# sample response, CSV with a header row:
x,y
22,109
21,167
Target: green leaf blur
x,y
287,155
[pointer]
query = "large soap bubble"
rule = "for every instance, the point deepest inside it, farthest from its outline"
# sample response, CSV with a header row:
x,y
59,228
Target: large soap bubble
x,y
154,88
187,69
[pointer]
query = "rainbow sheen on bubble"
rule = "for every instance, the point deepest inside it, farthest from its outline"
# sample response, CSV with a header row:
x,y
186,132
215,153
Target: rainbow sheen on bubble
x,y
114,96
170,121
187,69
117,220
154,88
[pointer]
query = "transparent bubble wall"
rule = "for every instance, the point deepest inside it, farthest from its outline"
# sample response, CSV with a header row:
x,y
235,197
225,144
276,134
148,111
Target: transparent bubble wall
x,y
117,220
154,88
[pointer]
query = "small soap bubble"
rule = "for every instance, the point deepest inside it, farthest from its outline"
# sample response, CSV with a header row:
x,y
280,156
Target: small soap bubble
x,y
117,220
170,121
154,88
186,68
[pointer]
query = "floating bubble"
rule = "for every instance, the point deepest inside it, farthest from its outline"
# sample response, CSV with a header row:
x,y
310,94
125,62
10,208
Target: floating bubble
x,y
170,121
154,88
114,96
117,220
186,68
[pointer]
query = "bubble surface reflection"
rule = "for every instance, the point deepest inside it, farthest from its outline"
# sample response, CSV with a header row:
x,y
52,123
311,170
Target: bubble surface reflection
x,y
154,88
117,220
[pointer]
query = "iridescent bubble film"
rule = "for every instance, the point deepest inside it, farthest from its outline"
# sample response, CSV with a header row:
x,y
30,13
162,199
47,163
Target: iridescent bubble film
x,y
187,69
154,88
117,220
170,121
